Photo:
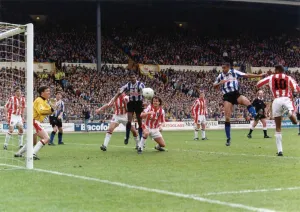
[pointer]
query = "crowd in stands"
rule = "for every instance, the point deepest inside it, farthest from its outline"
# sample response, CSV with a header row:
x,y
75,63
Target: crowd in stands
x,y
146,46
82,87
180,49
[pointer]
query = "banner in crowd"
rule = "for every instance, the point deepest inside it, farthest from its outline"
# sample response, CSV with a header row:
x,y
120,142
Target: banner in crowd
x,y
149,70
270,124
91,127
37,67
67,127
288,124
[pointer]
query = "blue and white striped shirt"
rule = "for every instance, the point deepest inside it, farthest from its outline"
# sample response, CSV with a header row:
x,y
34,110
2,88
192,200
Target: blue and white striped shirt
x,y
297,105
60,108
233,84
135,91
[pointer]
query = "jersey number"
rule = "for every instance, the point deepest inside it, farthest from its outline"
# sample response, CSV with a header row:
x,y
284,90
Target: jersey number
x,y
280,84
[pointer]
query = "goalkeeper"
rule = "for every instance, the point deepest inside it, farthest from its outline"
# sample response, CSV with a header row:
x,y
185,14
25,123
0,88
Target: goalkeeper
x,y
41,110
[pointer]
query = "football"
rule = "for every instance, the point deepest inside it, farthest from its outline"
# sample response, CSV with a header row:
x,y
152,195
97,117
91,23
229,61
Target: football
x,y
148,93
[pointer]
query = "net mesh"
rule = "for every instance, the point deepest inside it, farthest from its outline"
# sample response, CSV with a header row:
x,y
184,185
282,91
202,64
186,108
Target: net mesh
x,y
12,75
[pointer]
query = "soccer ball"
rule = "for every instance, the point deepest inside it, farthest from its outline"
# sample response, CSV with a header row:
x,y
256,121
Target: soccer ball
x,y
148,93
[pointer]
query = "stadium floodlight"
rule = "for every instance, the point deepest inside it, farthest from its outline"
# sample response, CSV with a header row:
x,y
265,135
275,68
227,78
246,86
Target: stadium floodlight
x,y
16,70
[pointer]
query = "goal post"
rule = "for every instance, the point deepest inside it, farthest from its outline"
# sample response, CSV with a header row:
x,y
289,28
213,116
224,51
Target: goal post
x,y
29,91
16,70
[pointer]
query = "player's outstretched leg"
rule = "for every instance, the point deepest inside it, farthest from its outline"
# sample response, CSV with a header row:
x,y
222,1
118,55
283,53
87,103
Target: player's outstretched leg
x,y
20,135
203,134
228,110
252,128
128,127
196,132
108,135
135,136
278,135
44,140
7,138
264,123
143,141
52,135
60,136
103,147
160,144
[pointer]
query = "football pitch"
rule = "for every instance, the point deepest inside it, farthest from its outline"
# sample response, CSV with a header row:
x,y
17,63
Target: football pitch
x,y
189,176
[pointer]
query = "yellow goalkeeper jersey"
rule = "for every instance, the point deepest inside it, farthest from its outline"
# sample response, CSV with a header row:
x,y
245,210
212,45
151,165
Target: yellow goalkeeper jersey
x,y
41,109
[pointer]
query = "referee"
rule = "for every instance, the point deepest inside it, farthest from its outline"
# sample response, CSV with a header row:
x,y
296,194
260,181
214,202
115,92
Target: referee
x,y
260,106
297,104
134,89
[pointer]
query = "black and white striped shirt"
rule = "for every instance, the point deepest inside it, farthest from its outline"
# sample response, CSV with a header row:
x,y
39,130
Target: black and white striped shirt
x,y
297,105
134,91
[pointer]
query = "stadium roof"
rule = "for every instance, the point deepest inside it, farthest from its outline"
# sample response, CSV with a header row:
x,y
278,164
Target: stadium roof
x,y
282,2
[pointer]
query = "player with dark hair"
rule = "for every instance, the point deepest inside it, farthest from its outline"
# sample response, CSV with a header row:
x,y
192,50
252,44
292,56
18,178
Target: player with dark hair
x,y
228,81
260,106
56,119
41,110
134,89
154,116
282,87
14,110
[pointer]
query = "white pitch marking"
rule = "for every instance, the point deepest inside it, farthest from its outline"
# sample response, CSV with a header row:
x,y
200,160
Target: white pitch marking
x,y
158,191
200,151
251,191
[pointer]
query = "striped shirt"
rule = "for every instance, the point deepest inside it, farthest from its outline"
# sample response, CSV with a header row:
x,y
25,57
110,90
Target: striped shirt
x,y
120,104
60,108
297,104
199,108
281,85
134,91
232,76
15,105
156,120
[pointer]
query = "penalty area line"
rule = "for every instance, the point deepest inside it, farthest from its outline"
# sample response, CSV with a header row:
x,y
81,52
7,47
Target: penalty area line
x,y
251,191
157,191
200,151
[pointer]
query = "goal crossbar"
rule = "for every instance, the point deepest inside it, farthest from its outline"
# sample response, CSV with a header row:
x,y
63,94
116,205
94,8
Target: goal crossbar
x,y
11,33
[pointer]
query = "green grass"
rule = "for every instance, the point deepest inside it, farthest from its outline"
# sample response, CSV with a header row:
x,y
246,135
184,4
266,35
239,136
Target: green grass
x,y
188,167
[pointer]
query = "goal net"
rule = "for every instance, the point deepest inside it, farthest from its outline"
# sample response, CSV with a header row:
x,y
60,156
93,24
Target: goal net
x,y
16,71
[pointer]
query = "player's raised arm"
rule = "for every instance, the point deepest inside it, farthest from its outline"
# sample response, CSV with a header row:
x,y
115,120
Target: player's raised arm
x,y
109,104
147,112
263,82
219,82
246,75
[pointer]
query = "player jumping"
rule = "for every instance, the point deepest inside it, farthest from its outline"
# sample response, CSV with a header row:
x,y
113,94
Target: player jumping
x,y
282,87
56,119
228,80
14,110
135,104
199,110
120,117
154,116
41,109
260,106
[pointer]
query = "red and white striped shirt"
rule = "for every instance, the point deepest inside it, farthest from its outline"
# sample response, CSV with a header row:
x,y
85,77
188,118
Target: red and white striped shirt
x,y
281,85
120,104
15,105
154,121
199,108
